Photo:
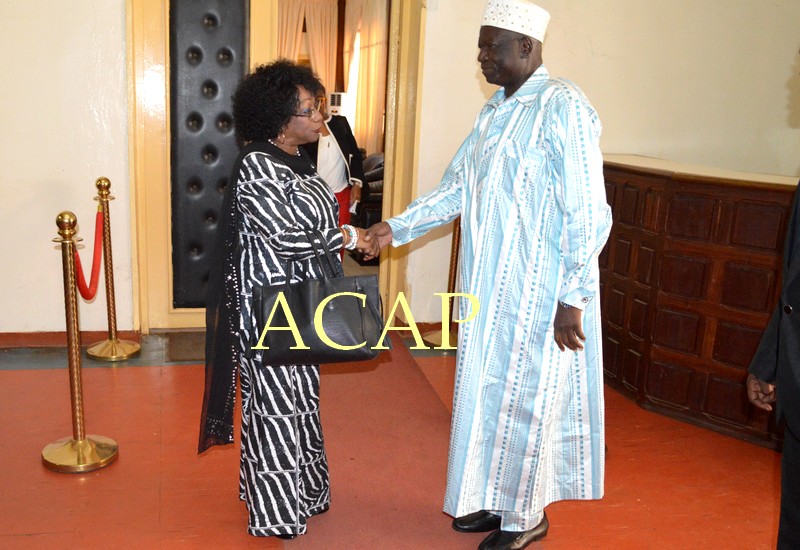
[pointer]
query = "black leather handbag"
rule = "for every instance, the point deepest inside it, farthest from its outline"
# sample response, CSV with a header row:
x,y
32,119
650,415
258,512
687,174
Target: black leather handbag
x,y
326,320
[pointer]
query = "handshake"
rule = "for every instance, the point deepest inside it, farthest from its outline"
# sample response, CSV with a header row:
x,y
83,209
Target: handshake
x,y
371,241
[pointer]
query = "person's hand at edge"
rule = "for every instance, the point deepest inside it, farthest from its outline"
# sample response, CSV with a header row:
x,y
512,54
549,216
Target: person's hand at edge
x,y
760,393
568,329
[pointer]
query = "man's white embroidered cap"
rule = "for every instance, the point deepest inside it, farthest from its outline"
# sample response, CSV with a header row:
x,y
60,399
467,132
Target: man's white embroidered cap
x,y
517,15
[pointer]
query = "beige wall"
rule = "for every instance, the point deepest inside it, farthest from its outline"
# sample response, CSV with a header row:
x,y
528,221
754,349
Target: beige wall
x,y
711,82
715,82
63,106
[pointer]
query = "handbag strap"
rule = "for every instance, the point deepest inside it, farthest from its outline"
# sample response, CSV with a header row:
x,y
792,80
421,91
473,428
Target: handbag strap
x,y
327,252
328,255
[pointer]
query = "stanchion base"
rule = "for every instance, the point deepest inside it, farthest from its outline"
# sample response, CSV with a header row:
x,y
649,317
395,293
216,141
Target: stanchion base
x,y
113,350
435,338
72,456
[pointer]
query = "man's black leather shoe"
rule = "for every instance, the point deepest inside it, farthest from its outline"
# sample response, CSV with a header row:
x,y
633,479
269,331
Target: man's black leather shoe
x,y
477,522
515,540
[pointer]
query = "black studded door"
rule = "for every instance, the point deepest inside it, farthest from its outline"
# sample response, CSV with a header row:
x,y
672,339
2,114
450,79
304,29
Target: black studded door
x,y
208,58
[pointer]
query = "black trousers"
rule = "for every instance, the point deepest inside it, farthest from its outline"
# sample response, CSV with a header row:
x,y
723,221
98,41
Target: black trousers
x,y
789,530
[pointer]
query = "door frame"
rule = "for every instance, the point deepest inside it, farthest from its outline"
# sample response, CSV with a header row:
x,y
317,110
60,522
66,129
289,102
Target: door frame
x,y
149,151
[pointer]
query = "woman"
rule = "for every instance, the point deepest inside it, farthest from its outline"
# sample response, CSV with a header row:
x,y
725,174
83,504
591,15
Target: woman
x,y
274,199
338,159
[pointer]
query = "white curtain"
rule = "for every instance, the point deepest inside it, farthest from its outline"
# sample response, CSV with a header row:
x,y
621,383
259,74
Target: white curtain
x,y
370,18
371,102
352,19
290,27
321,27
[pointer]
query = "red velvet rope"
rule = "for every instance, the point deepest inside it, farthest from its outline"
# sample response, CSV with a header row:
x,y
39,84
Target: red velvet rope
x,y
89,292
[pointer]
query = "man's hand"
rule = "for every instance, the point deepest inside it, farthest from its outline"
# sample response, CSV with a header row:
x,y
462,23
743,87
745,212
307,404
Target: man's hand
x,y
760,393
380,235
567,328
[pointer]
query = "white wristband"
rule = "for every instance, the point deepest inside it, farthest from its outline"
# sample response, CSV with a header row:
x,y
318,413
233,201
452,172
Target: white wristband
x,y
353,234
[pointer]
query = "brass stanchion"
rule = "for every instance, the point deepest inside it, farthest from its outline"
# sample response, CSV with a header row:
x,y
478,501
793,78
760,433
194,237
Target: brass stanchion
x,y
80,453
436,337
112,349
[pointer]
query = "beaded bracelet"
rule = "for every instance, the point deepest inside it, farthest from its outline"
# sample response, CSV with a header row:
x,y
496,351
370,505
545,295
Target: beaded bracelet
x,y
353,234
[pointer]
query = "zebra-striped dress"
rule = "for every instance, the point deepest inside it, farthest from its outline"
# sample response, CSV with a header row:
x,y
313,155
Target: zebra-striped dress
x,y
283,468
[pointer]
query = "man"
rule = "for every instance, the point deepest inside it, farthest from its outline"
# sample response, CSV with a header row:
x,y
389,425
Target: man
x,y
775,374
528,426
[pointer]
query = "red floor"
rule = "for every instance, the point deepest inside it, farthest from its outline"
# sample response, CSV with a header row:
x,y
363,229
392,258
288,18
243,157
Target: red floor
x,y
668,484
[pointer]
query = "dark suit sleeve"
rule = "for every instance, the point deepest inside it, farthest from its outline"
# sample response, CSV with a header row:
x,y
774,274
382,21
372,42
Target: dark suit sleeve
x,y
356,162
347,143
764,364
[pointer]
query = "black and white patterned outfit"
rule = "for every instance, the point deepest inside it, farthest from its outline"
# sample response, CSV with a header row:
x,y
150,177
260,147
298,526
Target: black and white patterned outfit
x,y
283,468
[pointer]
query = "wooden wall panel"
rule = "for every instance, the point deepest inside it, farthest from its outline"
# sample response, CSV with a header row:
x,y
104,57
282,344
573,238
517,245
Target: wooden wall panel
x,y
669,384
735,344
678,331
631,369
724,401
637,317
689,277
691,216
757,225
685,276
748,287
629,267
645,265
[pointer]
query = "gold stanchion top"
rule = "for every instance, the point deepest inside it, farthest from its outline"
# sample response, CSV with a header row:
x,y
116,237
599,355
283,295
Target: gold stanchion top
x,y
66,222
103,189
103,186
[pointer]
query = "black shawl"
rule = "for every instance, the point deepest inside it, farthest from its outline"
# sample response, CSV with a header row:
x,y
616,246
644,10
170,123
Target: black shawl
x,y
222,307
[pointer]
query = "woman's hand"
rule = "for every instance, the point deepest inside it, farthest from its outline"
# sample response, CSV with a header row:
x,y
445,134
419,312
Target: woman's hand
x,y
355,194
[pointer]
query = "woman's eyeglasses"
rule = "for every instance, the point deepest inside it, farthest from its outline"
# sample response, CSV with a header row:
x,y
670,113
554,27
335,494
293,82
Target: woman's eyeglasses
x,y
319,106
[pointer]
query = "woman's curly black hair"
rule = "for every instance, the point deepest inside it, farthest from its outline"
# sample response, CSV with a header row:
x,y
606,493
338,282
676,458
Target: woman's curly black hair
x,y
266,99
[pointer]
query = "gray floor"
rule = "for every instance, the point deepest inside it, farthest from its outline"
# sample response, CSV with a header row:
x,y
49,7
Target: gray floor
x,y
153,352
